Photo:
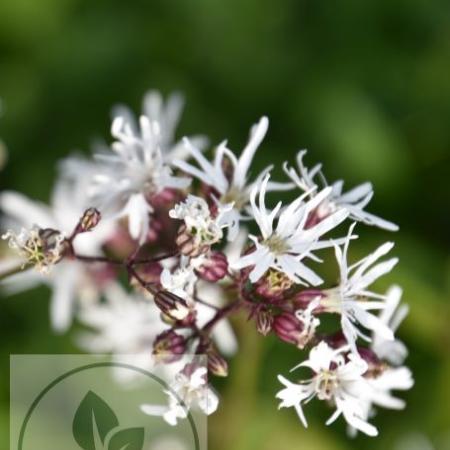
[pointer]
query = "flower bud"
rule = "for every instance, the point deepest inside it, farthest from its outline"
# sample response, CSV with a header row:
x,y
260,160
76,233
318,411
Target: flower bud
x,y
375,366
264,322
336,340
303,298
169,347
320,213
155,230
273,285
166,197
89,221
290,329
214,268
171,305
188,244
217,365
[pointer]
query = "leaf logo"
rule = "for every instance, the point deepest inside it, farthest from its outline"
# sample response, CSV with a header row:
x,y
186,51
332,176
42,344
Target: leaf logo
x,y
96,427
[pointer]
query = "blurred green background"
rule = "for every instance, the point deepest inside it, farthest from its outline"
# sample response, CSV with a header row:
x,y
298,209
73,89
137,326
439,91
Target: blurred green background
x,y
365,85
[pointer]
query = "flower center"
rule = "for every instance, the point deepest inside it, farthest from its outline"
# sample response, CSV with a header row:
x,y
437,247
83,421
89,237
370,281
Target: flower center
x,y
278,281
42,248
326,384
276,244
234,195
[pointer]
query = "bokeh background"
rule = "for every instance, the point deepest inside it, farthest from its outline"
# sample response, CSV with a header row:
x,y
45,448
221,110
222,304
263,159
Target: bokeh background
x,y
364,85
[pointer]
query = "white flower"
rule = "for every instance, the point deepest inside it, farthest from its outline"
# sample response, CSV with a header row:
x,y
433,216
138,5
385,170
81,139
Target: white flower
x,y
309,322
40,248
234,189
334,379
380,384
181,281
128,177
193,391
195,213
167,114
353,300
284,247
124,324
393,351
378,392
399,378
70,281
354,201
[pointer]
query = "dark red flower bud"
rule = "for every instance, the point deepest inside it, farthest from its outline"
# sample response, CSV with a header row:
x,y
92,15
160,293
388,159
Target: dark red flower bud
x,y
169,347
171,305
214,268
264,322
336,340
376,366
289,329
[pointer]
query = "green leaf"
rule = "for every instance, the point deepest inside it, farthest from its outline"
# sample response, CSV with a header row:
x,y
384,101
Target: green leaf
x,y
129,439
93,420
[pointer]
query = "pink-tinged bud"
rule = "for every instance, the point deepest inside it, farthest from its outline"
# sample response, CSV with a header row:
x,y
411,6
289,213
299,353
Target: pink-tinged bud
x,y
303,298
273,285
375,366
188,244
217,365
214,268
369,356
120,243
264,322
289,329
150,273
156,228
171,305
320,213
89,221
190,368
164,198
103,274
169,347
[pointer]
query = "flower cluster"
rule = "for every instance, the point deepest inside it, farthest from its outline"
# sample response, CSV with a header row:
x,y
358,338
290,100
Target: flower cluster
x,y
178,225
